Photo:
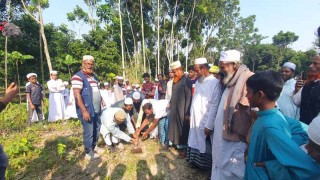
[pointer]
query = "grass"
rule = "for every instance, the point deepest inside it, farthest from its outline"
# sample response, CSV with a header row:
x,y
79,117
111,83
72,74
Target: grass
x,y
40,157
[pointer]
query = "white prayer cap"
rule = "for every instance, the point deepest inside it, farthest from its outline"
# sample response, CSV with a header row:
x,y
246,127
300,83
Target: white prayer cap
x,y
186,72
175,65
106,84
230,56
313,130
200,61
133,85
53,72
31,74
290,65
120,78
210,65
137,85
136,95
87,57
65,83
129,88
126,80
128,101
156,80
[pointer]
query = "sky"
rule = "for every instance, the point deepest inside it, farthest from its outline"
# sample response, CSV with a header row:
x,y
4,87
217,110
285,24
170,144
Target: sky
x,y
272,16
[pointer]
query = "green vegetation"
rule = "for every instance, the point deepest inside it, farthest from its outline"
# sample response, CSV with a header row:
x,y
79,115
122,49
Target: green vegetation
x,y
55,151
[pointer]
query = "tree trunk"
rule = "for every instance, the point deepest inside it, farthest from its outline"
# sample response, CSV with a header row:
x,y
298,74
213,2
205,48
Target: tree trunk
x,y
121,38
172,33
44,39
41,57
188,35
158,33
6,62
143,46
17,64
135,53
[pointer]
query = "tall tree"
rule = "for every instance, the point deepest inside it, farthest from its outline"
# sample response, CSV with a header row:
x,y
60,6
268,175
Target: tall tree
x,y
36,6
283,40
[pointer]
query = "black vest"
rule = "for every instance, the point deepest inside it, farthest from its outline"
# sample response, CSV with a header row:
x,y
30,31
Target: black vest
x,y
310,102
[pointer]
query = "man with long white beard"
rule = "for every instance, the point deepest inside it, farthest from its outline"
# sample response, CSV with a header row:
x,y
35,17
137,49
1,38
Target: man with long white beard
x,y
232,121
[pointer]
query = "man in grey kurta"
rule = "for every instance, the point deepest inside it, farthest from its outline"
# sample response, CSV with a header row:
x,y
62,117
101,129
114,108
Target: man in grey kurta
x,y
180,108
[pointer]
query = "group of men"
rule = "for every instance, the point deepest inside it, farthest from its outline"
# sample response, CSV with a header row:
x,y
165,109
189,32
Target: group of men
x,y
213,115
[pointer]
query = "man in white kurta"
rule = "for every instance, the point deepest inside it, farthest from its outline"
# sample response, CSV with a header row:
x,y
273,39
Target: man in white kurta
x,y
71,111
117,90
66,93
106,95
228,155
204,106
285,101
56,100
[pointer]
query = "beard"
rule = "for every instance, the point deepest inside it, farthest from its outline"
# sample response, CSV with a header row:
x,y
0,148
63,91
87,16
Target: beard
x,y
201,79
177,78
312,76
227,77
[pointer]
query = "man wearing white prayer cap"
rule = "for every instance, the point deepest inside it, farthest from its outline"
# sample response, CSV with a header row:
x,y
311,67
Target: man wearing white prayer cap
x,y
285,102
180,109
88,104
128,105
117,90
87,57
106,95
31,74
56,98
115,126
203,108
313,147
232,143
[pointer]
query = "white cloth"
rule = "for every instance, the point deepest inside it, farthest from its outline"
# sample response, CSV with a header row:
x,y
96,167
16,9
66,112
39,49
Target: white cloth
x,y
285,101
297,98
106,97
227,156
66,95
169,89
71,111
313,131
118,93
156,93
111,127
203,110
56,100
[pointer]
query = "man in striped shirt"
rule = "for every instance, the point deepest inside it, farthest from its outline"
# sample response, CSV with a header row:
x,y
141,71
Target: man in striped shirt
x,y
88,105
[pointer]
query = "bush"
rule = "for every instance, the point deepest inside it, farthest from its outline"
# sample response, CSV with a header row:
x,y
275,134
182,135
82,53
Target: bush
x,y
14,117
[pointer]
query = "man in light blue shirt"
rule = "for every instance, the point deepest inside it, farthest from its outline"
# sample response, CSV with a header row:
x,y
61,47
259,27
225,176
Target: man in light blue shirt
x,y
285,102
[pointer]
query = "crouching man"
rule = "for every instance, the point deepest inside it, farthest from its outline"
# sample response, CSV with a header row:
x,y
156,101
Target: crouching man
x,y
154,113
112,120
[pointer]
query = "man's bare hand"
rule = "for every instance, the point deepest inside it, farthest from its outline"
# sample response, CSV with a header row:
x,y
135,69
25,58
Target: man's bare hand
x,y
207,131
11,92
299,85
144,135
86,116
